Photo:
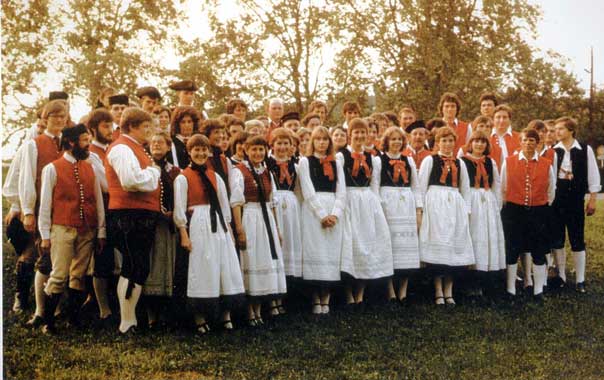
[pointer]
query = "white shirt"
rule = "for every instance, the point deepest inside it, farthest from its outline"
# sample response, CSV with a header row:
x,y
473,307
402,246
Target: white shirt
x,y
10,189
181,188
464,182
551,187
49,180
27,176
98,165
32,132
129,172
593,176
377,170
504,148
115,126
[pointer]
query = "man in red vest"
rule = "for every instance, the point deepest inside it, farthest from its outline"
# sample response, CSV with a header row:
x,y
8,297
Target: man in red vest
x,y
417,148
528,188
134,206
71,217
449,107
503,136
38,153
118,104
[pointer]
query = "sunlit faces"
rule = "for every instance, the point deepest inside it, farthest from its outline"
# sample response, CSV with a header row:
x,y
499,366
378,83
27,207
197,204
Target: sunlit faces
x,y
478,147
141,133
55,122
528,145
224,144
240,112
321,144
104,133
340,139
282,148
116,112
148,103
418,138
550,136
256,154
313,123
235,128
81,150
255,131
487,107
382,126
159,147
562,133
217,136
542,133
358,138
164,120
351,114
406,119
483,127
395,142
199,154
185,98
186,126
372,133
501,120
303,145
446,145
239,151
275,110
293,125
322,112
449,110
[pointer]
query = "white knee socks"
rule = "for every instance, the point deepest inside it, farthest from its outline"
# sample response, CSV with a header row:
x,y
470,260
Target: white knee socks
x,y
511,272
540,275
560,256
579,266
39,283
127,306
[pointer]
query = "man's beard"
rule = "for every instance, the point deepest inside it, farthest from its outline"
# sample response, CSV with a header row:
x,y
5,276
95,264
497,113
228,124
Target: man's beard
x,y
100,138
79,153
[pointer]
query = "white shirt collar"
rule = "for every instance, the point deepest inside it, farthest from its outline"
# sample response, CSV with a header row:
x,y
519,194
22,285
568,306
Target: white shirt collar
x,y
51,135
394,157
507,132
319,156
575,145
69,157
102,146
115,126
521,156
132,138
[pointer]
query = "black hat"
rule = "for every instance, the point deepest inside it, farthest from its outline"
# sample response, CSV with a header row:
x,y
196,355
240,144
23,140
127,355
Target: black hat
x,y
290,116
54,95
119,99
184,85
149,91
73,133
415,125
16,234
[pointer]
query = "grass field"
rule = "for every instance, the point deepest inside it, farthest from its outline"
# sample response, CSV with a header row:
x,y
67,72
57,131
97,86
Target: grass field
x,y
562,339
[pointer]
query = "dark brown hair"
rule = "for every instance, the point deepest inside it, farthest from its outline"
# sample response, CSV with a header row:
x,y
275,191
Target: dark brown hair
x,y
452,98
179,114
132,117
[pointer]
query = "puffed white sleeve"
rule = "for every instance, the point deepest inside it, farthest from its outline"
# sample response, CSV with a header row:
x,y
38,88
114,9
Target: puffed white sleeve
x,y
415,185
223,199
237,186
593,175
49,180
340,203
496,187
376,174
129,172
555,163
10,189
551,188
99,170
424,176
100,208
464,186
308,189
181,188
27,178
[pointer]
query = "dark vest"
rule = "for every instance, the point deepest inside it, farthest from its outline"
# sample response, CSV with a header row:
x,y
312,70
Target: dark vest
x,y
362,179
437,167
274,167
319,180
578,159
471,167
387,174
181,154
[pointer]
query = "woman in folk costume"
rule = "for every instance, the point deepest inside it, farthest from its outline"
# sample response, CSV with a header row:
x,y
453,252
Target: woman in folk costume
x,y
323,188
200,197
444,237
185,123
158,287
401,198
372,137
282,164
339,136
236,148
252,190
371,256
486,229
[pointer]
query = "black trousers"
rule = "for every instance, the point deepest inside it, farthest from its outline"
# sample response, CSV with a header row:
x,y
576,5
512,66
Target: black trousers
x,y
568,215
132,233
525,230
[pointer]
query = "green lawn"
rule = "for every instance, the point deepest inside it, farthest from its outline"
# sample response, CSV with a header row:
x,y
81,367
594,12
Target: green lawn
x,y
563,339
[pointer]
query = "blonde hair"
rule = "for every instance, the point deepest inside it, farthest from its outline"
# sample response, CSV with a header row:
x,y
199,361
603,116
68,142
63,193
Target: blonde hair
x,y
319,132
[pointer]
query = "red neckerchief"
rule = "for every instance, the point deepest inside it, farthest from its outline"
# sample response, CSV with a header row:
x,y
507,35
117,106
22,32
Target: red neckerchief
x,y
448,165
327,168
399,168
481,171
360,161
284,172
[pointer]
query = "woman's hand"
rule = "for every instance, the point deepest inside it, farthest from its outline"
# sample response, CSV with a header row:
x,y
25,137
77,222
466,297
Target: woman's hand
x,y
241,240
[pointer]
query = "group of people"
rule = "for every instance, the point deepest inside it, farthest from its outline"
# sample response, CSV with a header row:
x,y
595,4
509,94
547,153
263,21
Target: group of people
x,y
226,212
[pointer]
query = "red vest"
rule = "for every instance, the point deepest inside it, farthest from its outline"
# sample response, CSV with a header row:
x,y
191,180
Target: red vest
x,y
417,158
251,190
98,151
461,130
549,154
196,191
47,153
512,143
122,199
67,195
527,181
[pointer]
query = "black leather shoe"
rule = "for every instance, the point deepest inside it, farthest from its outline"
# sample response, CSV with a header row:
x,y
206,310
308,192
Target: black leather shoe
x,y
35,322
580,287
